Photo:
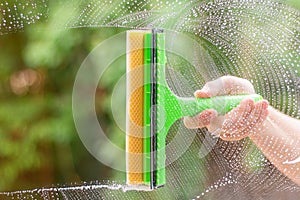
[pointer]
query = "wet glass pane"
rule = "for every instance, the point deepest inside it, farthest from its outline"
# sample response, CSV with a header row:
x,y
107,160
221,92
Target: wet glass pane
x,y
63,98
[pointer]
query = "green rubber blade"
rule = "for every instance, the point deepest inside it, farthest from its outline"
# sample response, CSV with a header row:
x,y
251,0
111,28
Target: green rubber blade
x,y
147,107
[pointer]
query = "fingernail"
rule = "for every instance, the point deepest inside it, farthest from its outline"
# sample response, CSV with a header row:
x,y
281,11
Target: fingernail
x,y
188,122
265,104
213,114
203,93
249,102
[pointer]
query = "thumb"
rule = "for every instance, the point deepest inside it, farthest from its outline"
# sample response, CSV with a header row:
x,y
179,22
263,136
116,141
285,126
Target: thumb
x,y
225,85
203,93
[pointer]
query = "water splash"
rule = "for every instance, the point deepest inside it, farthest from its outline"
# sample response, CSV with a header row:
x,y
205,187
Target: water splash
x,y
16,15
59,191
297,160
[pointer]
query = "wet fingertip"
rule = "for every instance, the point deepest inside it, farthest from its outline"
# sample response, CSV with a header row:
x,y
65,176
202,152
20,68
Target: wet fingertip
x,y
251,102
214,114
202,94
265,104
192,122
209,114
265,113
187,122
196,93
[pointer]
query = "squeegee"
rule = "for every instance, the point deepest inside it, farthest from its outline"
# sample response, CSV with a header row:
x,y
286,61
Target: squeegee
x,y
152,108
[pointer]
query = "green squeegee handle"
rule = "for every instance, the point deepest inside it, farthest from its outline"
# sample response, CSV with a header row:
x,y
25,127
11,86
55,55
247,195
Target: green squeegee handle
x,y
222,104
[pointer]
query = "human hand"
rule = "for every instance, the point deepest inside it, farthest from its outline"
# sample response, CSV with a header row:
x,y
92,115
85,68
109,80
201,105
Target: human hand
x,y
244,120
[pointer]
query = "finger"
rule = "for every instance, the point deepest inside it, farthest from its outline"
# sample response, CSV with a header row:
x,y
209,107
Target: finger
x,y
265,111
244,122
228,85
236,121
256,118
264,104
246,108
203,93
201,120
260,112
250,124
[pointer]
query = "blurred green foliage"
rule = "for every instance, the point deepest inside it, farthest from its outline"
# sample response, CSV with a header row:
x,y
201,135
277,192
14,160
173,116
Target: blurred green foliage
x,y
39,145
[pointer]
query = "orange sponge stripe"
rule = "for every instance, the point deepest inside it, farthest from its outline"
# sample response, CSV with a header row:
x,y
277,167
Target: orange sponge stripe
x,y
135,98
